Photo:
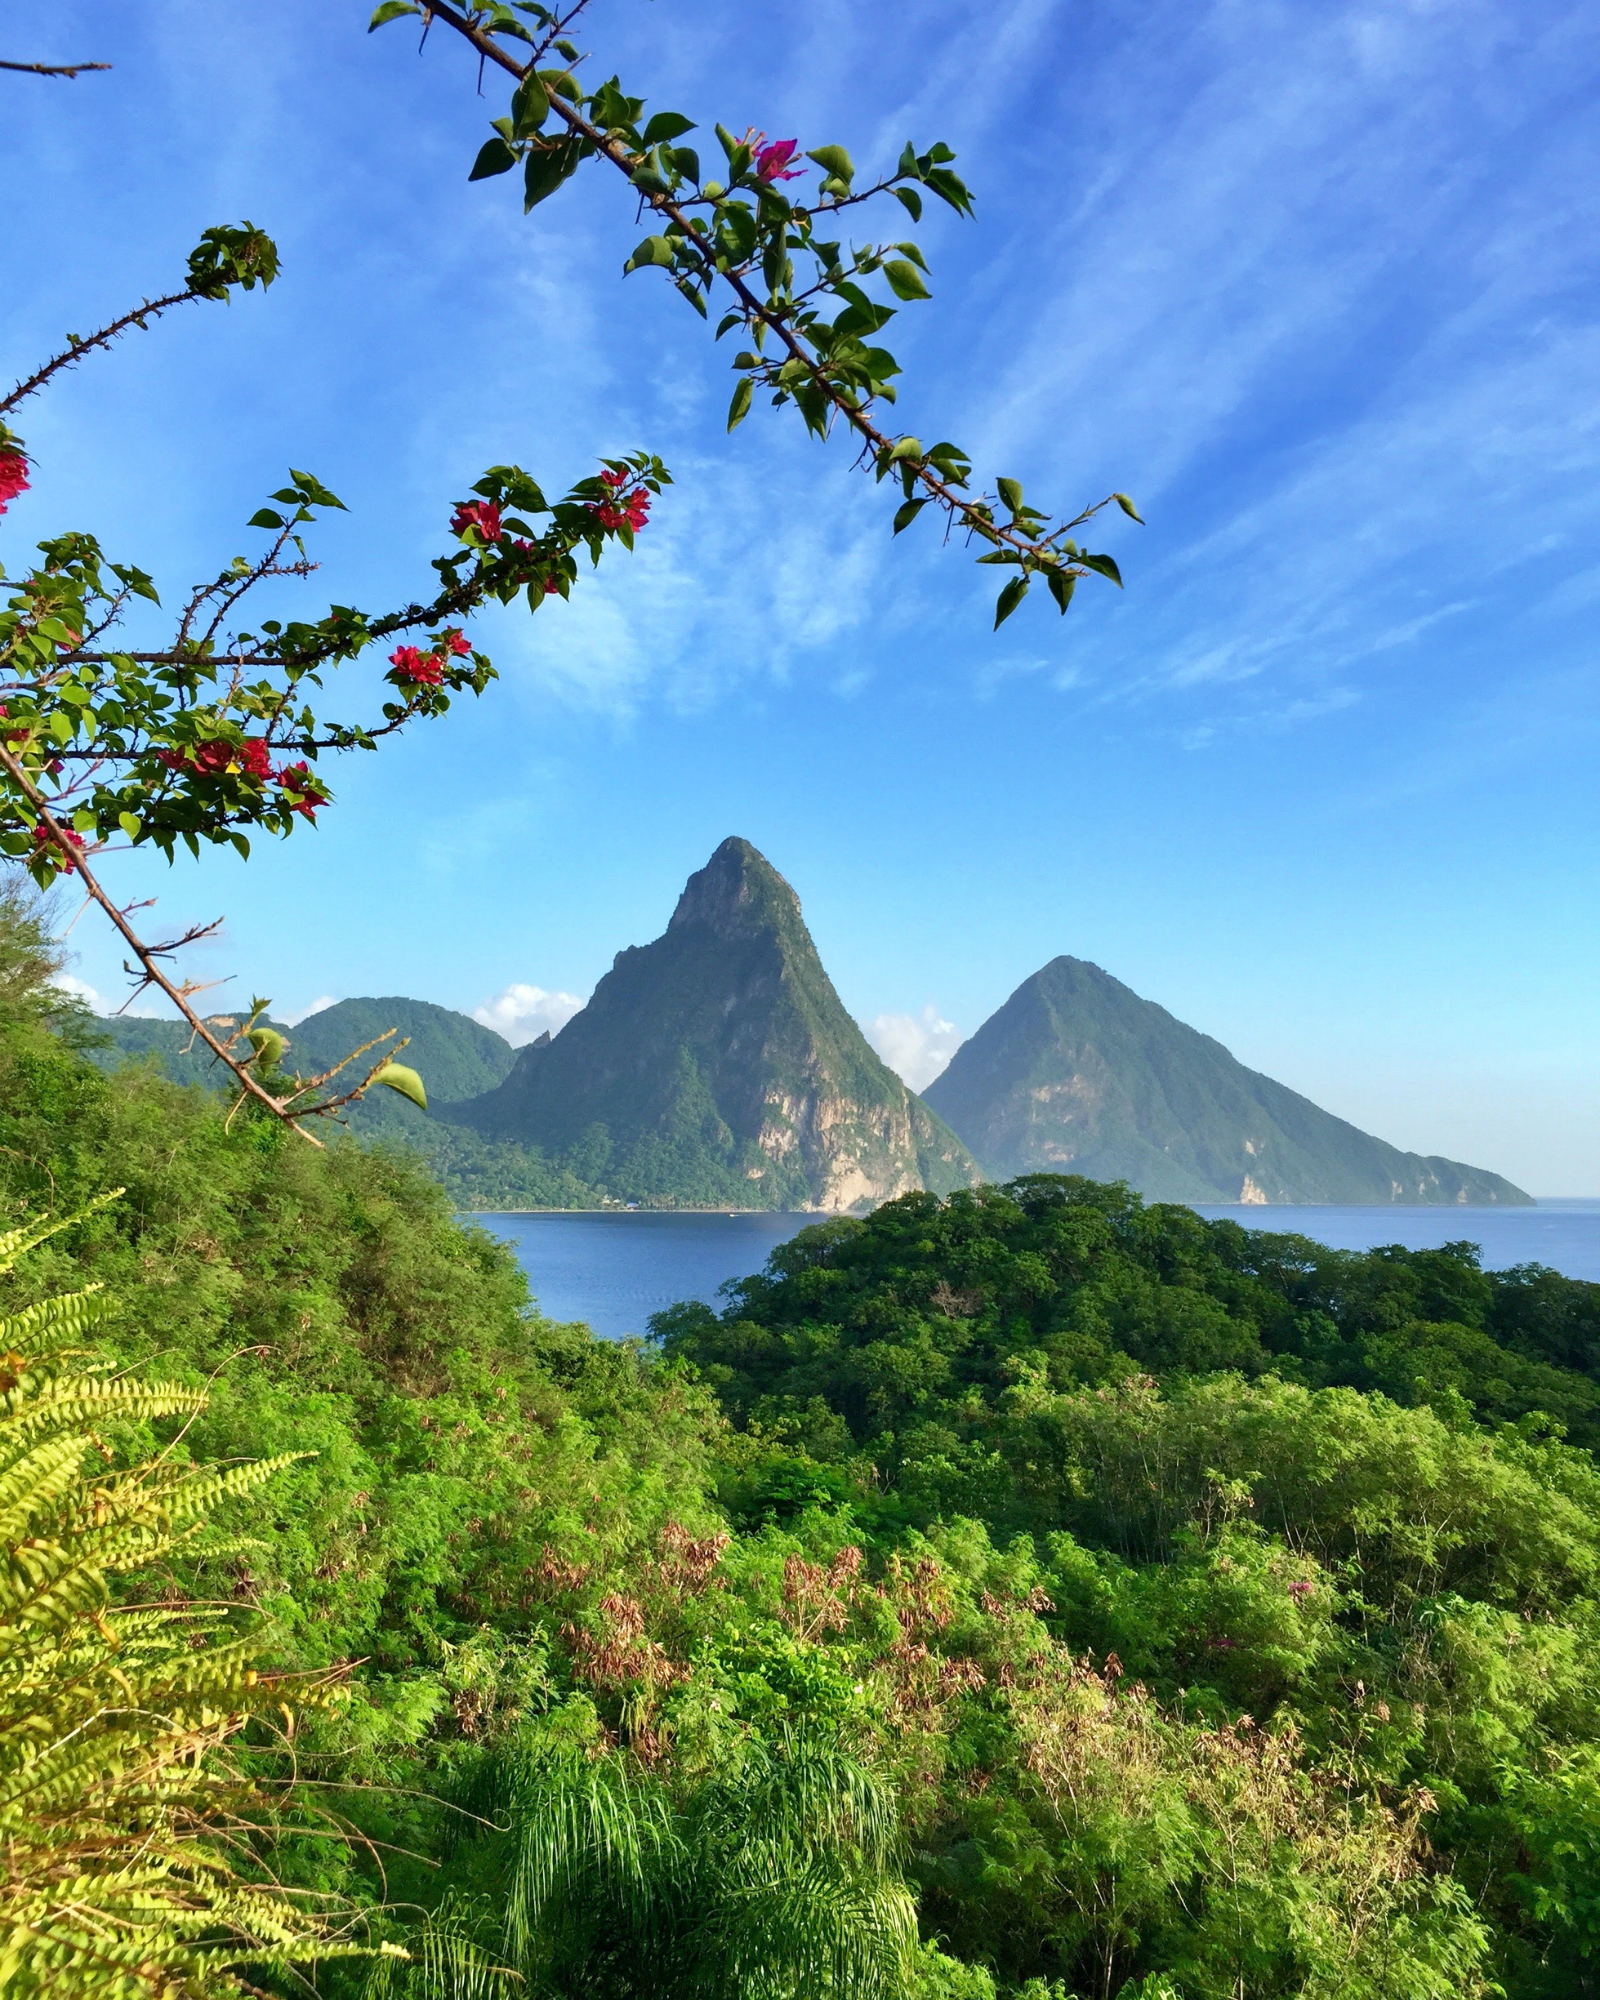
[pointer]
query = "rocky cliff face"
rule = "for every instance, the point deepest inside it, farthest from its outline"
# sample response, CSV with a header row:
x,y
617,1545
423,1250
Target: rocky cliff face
x,y
718,1066
1077,1074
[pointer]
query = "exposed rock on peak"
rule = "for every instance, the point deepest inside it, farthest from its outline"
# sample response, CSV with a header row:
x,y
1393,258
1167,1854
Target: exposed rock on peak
x,y
737,893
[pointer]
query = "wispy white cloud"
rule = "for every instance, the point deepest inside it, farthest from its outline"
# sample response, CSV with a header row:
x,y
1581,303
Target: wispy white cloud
x,y
522,1012
917,1047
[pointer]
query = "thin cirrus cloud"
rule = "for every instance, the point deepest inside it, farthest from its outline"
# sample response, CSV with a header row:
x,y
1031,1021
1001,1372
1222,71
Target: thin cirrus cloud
x,y
1360,250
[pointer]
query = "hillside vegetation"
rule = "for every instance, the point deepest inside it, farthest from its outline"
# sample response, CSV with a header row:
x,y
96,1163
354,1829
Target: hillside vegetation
x,y
1025,1591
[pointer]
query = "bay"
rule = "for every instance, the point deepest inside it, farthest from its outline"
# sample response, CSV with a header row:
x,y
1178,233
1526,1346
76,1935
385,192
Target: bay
x,y
614,1270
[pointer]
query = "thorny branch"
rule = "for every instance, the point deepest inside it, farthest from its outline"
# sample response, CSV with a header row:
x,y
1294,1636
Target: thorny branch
x,y
70,70
877,444
283,1108
77,349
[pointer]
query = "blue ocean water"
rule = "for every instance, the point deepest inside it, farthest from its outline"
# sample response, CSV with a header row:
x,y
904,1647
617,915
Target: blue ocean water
x,y
615,1269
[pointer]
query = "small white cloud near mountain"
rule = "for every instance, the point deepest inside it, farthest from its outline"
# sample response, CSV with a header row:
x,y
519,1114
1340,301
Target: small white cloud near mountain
x,y
316,1007
522,1013
915,1046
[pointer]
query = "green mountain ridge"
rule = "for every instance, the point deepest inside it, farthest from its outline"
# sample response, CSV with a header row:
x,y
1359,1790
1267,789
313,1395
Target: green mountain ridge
x,y
455,1056
718,1066
1077,1074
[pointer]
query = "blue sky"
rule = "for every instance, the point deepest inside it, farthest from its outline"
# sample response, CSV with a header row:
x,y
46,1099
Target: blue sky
x,y
1319,285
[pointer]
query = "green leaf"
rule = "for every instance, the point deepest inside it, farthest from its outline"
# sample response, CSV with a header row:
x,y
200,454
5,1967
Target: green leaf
x,y
739,408
905,280
530,107
653,250
406,1081
1062,584
667,125
129,825
687,162
264,517
836,161
1128,508
908,447
545,168
1011,493
496,157
1013,594
268,1044
910,250
1102,566
391,10
906,514
312,489
912,202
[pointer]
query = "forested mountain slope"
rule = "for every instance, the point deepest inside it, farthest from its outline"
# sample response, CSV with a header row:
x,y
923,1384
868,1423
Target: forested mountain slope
x,y
1075,1073
719,1065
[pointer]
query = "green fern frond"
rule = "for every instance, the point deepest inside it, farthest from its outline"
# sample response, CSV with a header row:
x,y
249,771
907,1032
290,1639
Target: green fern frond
x,y
15,1243
112,1886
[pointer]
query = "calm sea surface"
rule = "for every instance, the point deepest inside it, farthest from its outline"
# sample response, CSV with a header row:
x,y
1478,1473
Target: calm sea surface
x,y
615,1270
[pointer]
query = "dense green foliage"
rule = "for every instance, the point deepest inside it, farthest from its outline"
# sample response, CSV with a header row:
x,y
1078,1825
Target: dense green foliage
x,y
1324,1490
1218,1612
1075,1073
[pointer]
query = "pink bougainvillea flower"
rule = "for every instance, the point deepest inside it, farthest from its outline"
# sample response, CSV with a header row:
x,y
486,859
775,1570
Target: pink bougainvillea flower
x,y
772,161
255,758
483,515
412,664
13,475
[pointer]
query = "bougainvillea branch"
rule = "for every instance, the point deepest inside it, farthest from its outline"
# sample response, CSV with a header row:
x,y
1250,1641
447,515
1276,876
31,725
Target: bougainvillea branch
x,y
213,737
69,70
221,259
745,233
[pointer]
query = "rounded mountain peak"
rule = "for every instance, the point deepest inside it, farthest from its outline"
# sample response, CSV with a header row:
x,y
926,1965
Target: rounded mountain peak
x,y
738,891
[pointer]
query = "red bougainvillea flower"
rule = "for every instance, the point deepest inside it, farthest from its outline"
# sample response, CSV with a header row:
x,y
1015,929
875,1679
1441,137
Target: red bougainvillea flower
x,y
13,475
630,510
413,665
483,515
217,757
772,162
41,840
296,778
458,643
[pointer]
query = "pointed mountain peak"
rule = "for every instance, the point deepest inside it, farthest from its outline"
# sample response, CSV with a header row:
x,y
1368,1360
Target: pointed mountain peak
x,y
738,891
